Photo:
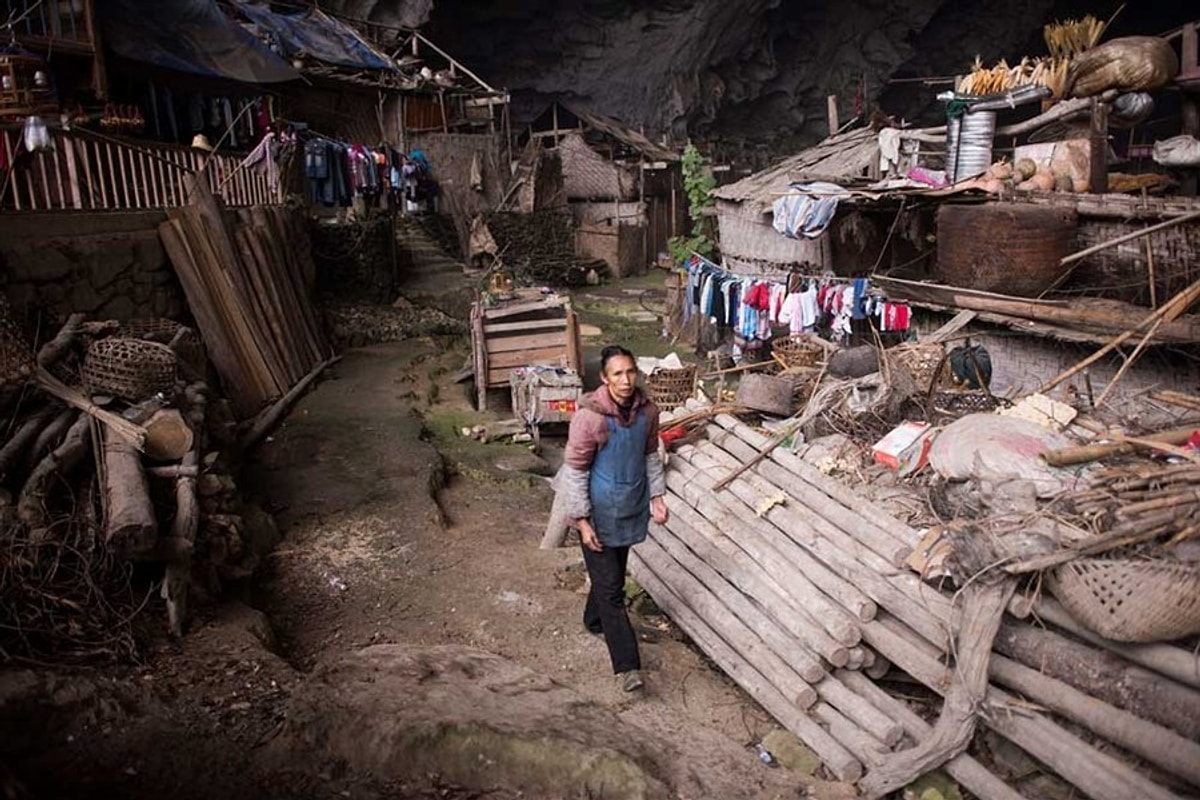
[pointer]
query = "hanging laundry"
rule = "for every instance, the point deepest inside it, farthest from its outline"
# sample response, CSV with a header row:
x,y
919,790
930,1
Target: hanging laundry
x,y
807,209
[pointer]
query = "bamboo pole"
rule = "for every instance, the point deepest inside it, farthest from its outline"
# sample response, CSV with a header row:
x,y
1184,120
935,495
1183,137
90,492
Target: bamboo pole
x,y
1169,311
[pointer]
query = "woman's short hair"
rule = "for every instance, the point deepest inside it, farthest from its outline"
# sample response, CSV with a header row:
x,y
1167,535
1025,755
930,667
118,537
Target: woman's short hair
x,y
611,352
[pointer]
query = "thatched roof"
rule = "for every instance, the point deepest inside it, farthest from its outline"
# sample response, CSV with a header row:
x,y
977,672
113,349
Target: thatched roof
x,y
571,117
844,158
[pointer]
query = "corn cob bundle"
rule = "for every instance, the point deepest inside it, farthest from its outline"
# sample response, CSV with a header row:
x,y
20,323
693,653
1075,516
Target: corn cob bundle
x,y
1074,36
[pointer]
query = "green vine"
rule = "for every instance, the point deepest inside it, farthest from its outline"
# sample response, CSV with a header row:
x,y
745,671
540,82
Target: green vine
x,y
698,184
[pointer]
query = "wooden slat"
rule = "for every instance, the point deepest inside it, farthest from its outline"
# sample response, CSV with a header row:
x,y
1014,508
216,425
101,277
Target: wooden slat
x,y
506,344
529,325
41,161
519,358
68,148
124,178
12,182
527,307
103,176
111,175
498,377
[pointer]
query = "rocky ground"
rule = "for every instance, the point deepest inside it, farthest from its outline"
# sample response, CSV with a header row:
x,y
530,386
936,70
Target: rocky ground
x,y
407,638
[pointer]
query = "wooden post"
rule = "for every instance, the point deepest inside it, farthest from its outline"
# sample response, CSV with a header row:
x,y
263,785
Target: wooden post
x,y
1098,179
832,111
1190,63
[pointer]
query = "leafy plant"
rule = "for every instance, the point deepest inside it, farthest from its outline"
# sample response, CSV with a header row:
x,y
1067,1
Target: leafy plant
x,y
698,184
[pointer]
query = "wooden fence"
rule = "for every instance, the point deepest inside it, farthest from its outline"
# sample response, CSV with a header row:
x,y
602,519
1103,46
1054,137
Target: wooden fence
x,y
88,172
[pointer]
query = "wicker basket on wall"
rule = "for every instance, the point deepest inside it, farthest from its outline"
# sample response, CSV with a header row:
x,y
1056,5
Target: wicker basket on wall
x,y
1131,600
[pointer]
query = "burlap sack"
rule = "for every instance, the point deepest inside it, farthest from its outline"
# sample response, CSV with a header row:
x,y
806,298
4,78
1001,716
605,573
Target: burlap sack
x,y
1130,64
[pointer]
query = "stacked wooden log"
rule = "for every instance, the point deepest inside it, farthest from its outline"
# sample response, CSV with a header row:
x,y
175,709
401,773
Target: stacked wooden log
x,y
247,285
796,588
90,483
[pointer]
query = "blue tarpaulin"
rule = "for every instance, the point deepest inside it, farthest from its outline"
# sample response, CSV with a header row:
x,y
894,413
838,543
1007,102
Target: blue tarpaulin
x,y
192,36
318,36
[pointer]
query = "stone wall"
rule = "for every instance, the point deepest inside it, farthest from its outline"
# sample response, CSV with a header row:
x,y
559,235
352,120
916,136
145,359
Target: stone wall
x,y
107,265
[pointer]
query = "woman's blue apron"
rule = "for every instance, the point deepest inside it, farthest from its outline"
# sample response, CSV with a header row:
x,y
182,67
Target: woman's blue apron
x,y
618,486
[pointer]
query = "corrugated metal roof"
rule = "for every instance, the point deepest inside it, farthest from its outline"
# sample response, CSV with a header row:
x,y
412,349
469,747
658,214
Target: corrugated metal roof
x,y
843,158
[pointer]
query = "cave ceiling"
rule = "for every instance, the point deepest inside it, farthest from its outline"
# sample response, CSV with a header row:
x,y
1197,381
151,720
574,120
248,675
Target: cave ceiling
x,y
751,71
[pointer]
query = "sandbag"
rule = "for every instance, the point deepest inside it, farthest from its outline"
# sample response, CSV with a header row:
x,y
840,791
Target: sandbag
x,y
1129,64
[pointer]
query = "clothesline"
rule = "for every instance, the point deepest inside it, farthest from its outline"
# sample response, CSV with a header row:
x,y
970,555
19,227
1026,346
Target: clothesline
x,y
803,275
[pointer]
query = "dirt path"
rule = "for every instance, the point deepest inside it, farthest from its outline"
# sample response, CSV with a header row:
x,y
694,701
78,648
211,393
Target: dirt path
x,y
396,530
472,576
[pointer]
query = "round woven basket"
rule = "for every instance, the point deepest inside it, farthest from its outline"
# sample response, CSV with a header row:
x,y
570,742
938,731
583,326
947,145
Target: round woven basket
x,y
671,388
132,369
1131,600
188,346
797,350
924,363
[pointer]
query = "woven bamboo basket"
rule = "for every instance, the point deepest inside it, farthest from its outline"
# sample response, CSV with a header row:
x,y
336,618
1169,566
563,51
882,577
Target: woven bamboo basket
x,y
1131,600
188,346
797,350
671,388
132,369
16,357
924,363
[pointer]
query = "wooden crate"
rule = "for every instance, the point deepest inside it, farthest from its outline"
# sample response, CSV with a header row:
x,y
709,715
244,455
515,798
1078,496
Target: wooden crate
x,y
529,329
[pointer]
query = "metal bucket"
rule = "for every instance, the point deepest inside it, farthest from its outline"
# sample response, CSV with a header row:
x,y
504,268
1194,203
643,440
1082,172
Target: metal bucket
x,y
969,144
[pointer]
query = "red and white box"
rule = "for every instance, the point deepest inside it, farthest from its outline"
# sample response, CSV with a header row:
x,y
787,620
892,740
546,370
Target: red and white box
x,y
906,448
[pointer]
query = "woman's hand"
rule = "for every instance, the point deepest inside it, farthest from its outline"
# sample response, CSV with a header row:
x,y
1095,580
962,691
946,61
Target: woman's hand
x,y
658,510
587,535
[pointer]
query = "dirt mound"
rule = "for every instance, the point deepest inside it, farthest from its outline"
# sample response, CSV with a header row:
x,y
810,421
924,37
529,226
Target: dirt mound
x,y
477,720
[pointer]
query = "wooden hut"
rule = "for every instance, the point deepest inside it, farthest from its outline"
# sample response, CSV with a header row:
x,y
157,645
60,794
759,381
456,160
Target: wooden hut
x,y
625,192
749,243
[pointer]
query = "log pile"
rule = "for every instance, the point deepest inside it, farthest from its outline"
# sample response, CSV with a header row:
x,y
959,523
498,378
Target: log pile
x,y
540,247
798,590
247,277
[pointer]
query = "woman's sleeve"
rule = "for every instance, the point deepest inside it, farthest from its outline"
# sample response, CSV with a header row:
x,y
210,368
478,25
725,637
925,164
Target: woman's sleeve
x,y
574,477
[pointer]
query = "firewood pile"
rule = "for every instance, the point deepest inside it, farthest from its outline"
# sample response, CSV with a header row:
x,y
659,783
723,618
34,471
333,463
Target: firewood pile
x,y
540,248
354,260
355,324
109,493
809,598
